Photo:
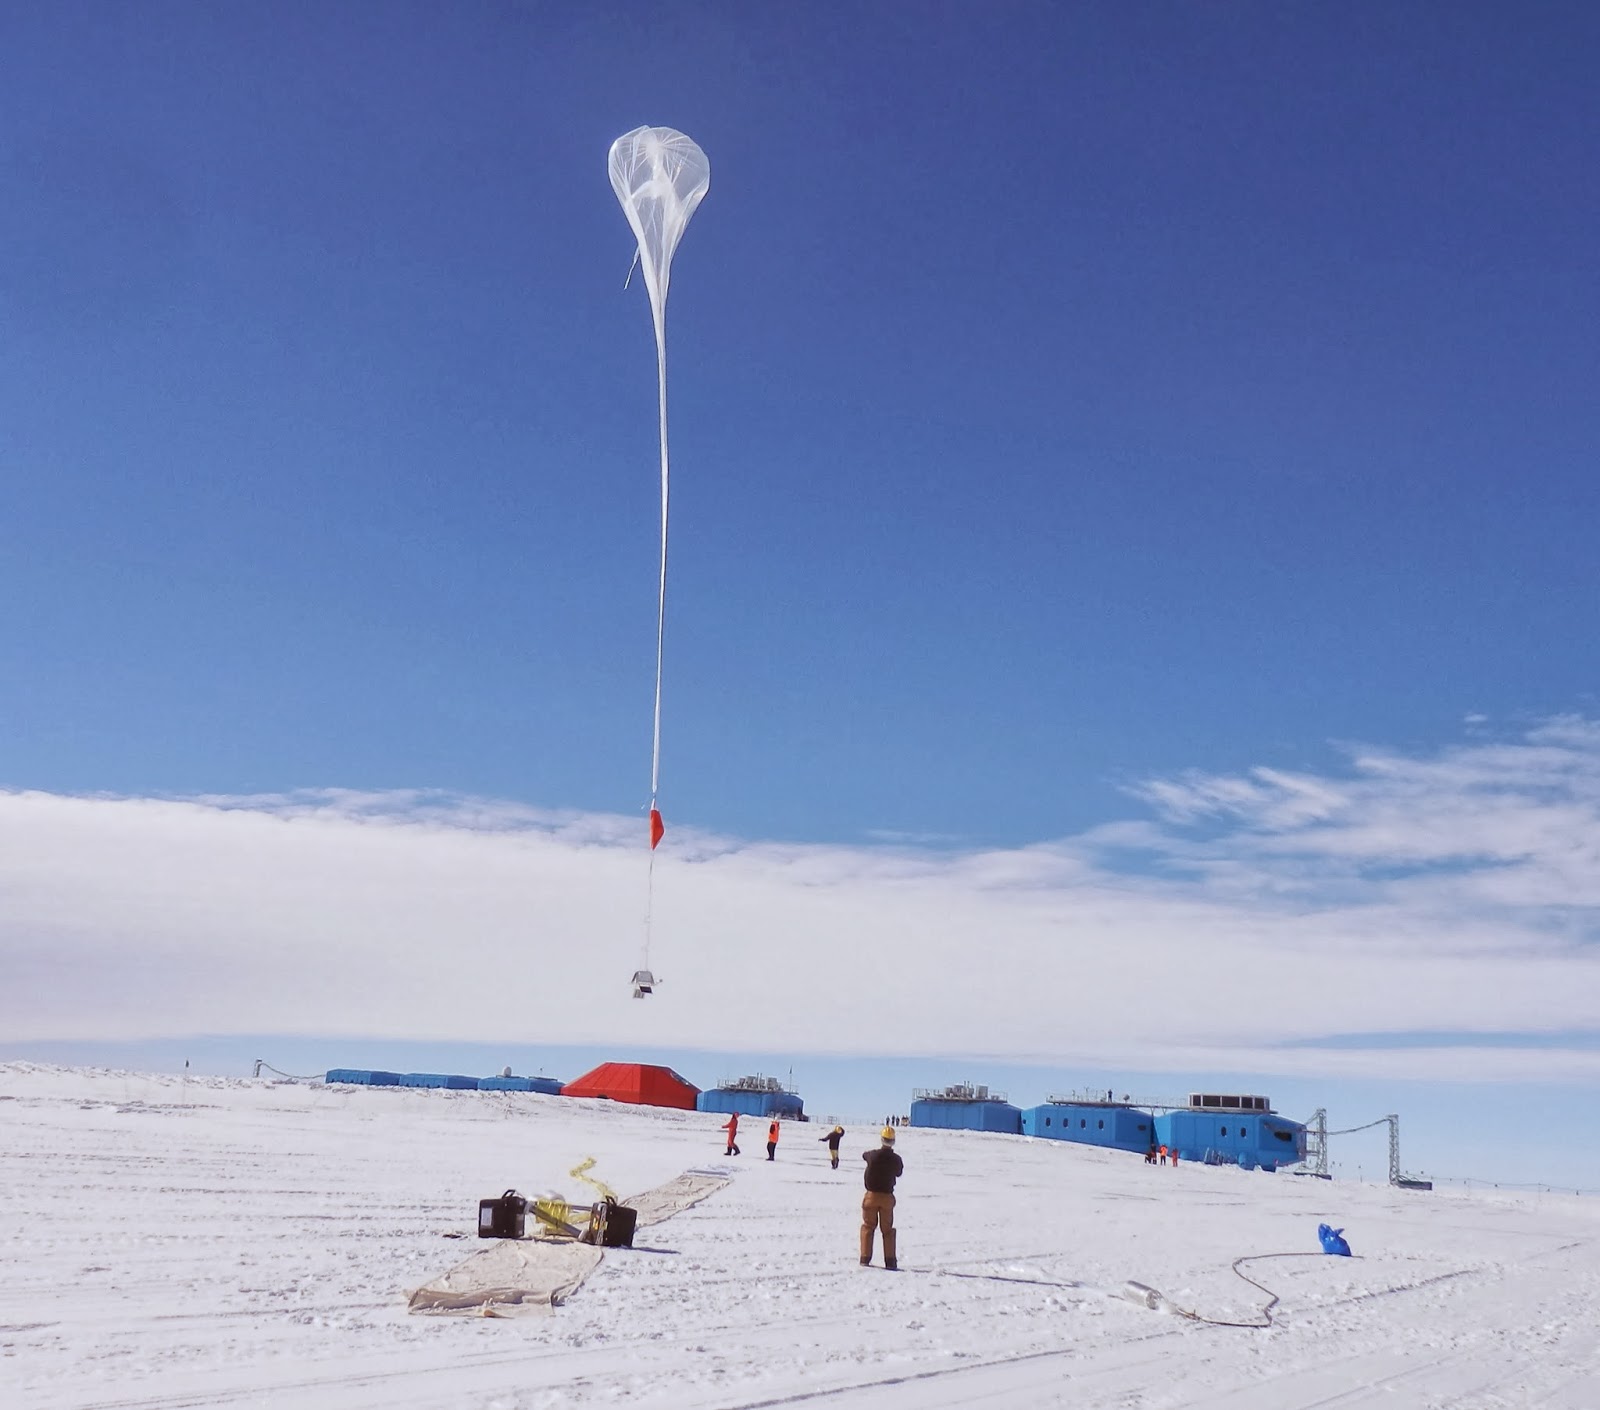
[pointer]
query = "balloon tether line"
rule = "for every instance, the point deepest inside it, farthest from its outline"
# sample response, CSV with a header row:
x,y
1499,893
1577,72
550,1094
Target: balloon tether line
x,y
661,629
649,907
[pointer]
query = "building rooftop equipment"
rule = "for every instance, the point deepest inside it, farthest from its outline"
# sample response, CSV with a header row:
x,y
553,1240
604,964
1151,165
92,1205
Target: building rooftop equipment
x,y
753,1083
958,1092
1215,1101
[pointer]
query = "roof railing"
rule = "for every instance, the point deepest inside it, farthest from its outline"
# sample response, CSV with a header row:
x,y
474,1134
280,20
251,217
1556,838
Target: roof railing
x,y
755,1082
958,1092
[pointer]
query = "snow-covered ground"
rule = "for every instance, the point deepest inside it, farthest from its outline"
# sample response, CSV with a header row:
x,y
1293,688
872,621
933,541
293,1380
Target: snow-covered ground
x,y
235,1243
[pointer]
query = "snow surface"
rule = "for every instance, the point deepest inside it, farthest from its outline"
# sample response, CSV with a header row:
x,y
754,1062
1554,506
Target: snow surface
x,y
223,1242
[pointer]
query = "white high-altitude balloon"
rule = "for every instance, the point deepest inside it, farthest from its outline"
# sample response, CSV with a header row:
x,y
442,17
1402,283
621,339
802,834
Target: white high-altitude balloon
x,y
660,177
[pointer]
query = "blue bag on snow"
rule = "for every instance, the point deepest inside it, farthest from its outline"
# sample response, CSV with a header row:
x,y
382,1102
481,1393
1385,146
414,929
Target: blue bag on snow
x,y
1333,1240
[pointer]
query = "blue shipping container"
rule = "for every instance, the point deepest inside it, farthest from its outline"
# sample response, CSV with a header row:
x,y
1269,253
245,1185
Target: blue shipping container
x,y
1122,1128
362,1078
948,1115
548,1085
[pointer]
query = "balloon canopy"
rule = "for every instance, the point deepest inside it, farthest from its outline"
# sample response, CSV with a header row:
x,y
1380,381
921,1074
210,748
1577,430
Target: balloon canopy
x,y
660,177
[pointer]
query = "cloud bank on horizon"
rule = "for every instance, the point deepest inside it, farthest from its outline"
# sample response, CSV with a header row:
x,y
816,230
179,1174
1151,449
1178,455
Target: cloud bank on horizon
x,y
1428,916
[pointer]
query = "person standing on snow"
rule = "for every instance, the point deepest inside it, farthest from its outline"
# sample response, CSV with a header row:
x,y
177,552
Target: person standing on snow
x,y
732,1128
833,1138
884,1167
772,1140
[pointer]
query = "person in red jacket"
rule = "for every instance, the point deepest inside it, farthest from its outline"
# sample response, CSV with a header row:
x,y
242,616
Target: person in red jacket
x,y
884,1167
732,1128
772,1140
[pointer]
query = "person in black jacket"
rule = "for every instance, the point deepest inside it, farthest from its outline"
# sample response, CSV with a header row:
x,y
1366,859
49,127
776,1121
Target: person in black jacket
x,y
833,1138
884,1167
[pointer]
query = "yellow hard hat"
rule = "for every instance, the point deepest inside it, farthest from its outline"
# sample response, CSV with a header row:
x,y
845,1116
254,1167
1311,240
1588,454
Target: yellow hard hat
x,y
888,1135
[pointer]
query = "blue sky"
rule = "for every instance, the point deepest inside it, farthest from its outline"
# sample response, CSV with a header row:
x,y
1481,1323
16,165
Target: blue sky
x,y
1053,400
1061,401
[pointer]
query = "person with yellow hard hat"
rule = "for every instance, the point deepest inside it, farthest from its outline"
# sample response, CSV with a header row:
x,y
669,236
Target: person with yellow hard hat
x,y
833,1138
884,1167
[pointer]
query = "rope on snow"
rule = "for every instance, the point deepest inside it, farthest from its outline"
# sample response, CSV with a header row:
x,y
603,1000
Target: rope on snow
x,y
1264,1316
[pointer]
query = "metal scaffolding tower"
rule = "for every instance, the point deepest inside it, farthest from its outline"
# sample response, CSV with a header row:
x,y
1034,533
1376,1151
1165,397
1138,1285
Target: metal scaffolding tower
x,y
1317,1143
1317,1134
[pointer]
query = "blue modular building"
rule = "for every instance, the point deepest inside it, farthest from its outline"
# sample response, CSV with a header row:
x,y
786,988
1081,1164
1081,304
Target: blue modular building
x,y
1110,1124
965,1107
439,1079
1232,1130
752,1096
361,1078
548,1085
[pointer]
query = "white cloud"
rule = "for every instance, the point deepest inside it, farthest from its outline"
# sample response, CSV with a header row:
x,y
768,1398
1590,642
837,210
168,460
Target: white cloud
x,y
1455,893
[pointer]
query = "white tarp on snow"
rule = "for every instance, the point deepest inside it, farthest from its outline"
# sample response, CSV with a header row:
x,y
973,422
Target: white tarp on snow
x,y
676,1195
531,1275
524,1275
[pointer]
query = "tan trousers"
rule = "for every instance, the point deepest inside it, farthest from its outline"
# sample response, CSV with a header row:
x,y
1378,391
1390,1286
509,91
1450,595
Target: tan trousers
x,y
877,1212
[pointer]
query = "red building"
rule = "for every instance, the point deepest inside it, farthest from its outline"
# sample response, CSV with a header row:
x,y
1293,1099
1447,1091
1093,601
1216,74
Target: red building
x,y
635,1082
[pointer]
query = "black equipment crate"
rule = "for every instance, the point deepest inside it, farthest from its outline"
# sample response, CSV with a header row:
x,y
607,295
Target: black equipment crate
x,y
611,1225
503,1218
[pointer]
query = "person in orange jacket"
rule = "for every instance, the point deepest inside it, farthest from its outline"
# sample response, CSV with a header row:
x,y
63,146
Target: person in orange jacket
x,y
732,1128
772,1139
